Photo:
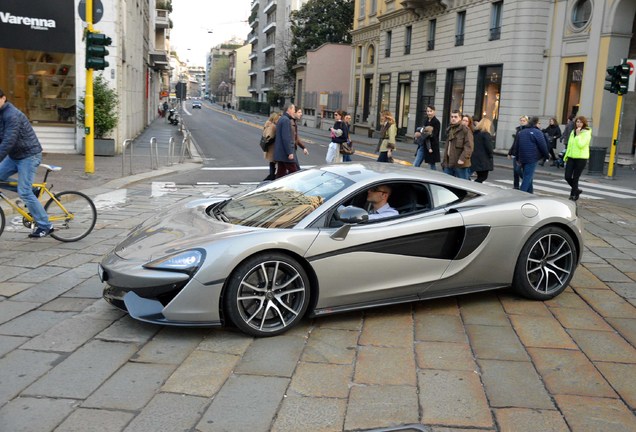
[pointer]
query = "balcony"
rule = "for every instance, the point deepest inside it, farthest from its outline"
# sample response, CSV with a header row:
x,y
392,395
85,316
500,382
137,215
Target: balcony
x,y
420,7
158,60
269,66
252,72
255,4
161,19
269,48
270,27
252,55
270,6
254,23
252,37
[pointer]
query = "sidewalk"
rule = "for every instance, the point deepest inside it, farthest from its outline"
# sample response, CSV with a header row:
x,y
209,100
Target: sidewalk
x,y
109,170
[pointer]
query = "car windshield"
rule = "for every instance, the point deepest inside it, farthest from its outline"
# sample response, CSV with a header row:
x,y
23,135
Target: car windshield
x,y
285,202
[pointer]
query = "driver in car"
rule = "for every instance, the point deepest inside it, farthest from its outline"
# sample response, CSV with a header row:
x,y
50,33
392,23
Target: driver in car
x,y
378,197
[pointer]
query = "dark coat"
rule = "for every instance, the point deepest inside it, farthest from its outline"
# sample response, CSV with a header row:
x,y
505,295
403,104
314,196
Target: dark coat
x,y
433,157
284,144
17,137
554,133
531,145
482,157
345,132
459,147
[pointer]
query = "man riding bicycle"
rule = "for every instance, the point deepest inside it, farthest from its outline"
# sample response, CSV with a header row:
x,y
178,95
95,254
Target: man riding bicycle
x,y
21,153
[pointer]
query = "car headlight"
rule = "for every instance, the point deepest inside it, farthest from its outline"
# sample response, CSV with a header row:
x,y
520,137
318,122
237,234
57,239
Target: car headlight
x,y
188,261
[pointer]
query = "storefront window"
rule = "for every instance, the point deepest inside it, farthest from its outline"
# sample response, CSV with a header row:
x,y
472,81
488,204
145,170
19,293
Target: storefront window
x,y
455,85
40,84
572,91
488,93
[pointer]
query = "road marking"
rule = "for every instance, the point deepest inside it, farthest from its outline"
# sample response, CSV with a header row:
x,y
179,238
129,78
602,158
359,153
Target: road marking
x,y
593,188
243,168
207,183
553,190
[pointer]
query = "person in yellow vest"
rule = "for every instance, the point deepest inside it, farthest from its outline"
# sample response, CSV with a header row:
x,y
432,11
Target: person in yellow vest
x,y
577,154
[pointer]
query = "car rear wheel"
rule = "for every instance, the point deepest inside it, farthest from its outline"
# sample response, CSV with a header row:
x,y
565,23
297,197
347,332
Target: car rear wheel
x,y
267,294
546,264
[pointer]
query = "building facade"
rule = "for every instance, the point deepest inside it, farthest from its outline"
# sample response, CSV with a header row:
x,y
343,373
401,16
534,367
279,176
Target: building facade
x,y
42,55
321,89
496,59
270,39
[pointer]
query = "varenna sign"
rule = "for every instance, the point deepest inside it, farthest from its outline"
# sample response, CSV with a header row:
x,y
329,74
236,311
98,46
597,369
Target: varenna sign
x,y
39,25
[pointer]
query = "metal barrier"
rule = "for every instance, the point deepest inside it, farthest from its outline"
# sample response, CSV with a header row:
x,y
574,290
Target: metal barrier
x,y
170,151
154,154
185,147
127,143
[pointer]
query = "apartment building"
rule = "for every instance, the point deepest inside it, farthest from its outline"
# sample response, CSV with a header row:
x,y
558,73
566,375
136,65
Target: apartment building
x,y
496,59
270,38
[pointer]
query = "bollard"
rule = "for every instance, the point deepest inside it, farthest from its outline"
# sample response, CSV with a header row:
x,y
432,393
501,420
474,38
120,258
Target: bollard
x,y
170,151
154,154
125,144
596,164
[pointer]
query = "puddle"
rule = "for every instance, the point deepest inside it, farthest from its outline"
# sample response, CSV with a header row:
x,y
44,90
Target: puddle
x,y
110,200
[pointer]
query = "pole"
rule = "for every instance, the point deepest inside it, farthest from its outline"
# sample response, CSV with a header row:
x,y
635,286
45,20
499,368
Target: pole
x,y
89,106
617,117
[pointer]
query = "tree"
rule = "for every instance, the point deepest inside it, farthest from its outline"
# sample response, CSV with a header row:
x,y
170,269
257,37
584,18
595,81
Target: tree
x,y
316,23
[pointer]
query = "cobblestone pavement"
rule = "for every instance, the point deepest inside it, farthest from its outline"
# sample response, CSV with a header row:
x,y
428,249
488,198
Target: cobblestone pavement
x,y
493,361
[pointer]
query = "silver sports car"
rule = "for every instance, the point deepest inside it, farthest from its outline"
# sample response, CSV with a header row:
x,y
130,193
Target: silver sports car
x,y
305,245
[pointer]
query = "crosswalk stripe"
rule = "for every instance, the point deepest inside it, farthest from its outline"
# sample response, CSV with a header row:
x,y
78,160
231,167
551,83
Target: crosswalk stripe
x,y
588,187
606,187
554,190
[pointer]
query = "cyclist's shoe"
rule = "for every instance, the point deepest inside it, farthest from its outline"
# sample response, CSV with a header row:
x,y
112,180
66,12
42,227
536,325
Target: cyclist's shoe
x,y
41,232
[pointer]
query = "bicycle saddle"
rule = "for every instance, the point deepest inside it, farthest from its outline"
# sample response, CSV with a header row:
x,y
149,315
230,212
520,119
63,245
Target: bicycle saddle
x,y
51,167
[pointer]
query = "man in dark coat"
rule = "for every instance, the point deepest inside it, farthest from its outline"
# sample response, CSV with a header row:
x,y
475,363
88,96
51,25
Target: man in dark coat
x,y
21,153
531,148
284,144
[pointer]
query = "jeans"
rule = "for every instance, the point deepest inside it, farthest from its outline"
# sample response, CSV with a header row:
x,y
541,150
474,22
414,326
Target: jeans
x,y
383,157
25,168
462,173
419,156
516,173
346,158
573,170
528,174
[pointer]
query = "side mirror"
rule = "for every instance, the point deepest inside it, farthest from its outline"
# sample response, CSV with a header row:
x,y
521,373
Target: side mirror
x,y
351,215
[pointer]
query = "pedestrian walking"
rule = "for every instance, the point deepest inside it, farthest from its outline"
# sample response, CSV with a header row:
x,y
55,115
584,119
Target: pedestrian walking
x,y
284,143
552,134
576,155
269,135
21,153
346,157
297,143
433,157
388,132
339,134
531,148
459,148
516,168
423,140
467,121
482,158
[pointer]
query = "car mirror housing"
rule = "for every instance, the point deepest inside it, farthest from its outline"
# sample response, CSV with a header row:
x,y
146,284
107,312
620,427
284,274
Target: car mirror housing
x,y
351,214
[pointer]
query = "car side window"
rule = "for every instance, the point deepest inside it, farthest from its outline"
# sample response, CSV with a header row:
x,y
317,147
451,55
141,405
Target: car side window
x,y
443,196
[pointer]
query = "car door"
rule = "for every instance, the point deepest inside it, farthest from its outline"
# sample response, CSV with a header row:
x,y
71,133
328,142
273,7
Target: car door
x,y
391,259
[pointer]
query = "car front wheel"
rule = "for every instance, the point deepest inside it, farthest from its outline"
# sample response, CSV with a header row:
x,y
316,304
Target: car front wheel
x,y
267,294
546,264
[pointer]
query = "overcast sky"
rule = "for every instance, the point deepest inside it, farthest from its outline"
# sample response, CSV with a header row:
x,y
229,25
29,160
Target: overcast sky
x,y
193,18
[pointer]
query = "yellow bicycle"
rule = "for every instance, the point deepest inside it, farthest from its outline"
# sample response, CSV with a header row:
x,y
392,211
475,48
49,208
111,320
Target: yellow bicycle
x,y
72,214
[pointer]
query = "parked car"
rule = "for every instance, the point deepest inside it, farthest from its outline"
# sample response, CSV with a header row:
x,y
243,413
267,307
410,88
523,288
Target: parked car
x,y
303,245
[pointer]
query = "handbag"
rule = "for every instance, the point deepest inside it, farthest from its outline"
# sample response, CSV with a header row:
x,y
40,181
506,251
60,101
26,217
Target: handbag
x,y
347,148
265,143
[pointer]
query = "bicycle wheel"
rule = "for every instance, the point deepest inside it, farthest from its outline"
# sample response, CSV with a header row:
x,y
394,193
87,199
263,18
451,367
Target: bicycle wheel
x,y
78,220
1,220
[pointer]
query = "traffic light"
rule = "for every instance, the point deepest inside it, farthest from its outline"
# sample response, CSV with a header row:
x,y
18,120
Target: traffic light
x,y
96,51
617,78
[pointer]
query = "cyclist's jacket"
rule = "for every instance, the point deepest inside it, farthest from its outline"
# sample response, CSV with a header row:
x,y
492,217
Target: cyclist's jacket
x,y
17,137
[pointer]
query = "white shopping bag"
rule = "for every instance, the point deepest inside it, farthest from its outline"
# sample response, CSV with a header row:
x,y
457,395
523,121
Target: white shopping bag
x,y
333,152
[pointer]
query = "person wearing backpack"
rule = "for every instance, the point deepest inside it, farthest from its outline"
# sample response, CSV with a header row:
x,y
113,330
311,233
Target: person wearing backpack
x,y
268,136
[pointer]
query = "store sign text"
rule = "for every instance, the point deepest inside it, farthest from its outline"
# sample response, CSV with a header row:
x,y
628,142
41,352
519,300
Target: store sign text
x,y
34,23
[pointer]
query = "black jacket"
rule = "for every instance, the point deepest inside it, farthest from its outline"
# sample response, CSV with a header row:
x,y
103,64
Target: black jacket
x,y
17,137
433,157
553,132
482,158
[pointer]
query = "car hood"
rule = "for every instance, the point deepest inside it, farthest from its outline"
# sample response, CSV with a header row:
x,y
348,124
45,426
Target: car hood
x,y
179,228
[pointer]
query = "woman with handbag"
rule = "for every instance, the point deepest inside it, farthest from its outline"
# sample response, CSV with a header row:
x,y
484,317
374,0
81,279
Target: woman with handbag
x,y
339,135
552,133
346,149
388,132
268,137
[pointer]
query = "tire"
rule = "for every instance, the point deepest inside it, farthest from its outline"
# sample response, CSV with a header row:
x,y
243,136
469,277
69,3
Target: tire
x,y
1,220
82,222
546,264
267,294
